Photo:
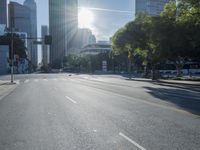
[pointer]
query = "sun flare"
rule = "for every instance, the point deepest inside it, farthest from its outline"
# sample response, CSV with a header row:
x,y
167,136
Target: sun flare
x,y
85,18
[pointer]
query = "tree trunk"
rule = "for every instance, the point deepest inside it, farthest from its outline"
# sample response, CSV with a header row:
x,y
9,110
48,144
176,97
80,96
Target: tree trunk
x,y
178,68
146,71
129,68
154,77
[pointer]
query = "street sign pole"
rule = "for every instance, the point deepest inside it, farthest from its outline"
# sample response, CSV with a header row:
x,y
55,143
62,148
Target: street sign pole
x,y
12,51
12,55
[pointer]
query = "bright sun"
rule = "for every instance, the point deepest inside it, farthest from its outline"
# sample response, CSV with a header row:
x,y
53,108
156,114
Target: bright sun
x,y
85,18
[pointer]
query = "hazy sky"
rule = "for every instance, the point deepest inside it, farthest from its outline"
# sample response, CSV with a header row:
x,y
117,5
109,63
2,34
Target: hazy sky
x,y
109,15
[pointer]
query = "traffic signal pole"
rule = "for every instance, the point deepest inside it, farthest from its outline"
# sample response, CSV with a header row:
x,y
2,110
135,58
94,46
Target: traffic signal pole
x,y
12,57
12,52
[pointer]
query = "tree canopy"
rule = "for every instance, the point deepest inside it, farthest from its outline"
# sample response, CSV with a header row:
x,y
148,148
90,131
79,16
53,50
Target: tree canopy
x,y
172,36
18,45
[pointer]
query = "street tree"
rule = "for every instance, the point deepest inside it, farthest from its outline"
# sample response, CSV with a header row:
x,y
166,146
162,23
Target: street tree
x,y
18,45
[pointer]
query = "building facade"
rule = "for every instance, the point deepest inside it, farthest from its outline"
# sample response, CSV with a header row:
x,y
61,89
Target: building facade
x,y
63,24
83,37
31,4
151,7
45,48
140,6
21,22
4,55
4,12
2,29
95,49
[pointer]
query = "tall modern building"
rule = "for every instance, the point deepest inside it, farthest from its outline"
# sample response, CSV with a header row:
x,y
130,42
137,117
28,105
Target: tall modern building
x,y
85,37
151,7
31,4
4,12
19,17
63,25
45,48
20,20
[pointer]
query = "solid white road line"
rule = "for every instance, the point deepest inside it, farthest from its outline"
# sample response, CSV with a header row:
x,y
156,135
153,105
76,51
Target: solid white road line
x,y
70,99
55,79
36,80
45,79
131,141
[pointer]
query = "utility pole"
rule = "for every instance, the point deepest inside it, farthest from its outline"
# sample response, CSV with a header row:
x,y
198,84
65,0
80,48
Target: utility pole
x,y
12,54
12,26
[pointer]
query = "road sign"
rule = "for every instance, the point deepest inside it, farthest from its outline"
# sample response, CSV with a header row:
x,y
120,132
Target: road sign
x,y
37,42
48,40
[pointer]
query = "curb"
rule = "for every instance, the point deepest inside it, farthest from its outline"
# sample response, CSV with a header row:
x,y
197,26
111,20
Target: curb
x,y
7,91
166,82
179,83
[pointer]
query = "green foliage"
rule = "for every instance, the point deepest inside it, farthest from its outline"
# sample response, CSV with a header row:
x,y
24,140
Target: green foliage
x,y
170,11
172,36
86,63
132,39
18,44
120,39
189,11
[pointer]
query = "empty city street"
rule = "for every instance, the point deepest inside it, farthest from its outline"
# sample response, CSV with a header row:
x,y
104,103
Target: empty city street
x,y
62,111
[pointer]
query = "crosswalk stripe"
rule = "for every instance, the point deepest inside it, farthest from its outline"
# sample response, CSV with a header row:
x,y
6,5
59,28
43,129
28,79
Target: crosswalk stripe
x,y
36,80
62,79
17,82
26,81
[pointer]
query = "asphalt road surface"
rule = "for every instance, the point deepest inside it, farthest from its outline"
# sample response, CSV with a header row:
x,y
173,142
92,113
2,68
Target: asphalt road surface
x,y
88,112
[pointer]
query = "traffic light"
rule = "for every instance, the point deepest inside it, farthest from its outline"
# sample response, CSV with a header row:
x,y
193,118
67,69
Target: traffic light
x,y
48,40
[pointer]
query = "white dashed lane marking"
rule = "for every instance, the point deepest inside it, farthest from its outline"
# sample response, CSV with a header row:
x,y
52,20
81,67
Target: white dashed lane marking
x,y
70,99
131,141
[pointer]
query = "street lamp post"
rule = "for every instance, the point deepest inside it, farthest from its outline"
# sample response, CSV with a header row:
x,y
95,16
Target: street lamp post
x,y
12,56
12,25
12,51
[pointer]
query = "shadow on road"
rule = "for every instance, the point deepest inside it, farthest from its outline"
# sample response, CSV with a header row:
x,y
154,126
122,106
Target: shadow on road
x,y
187,100
173,85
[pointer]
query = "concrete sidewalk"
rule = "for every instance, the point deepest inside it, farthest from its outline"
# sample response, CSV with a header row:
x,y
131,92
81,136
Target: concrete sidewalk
x,y
5,88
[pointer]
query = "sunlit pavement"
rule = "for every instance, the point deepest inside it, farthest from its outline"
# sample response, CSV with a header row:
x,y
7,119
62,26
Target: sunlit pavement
x,y
81,112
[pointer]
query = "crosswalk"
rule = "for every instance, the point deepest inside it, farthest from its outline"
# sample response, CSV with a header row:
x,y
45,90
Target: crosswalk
x,y
36,80
26,81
